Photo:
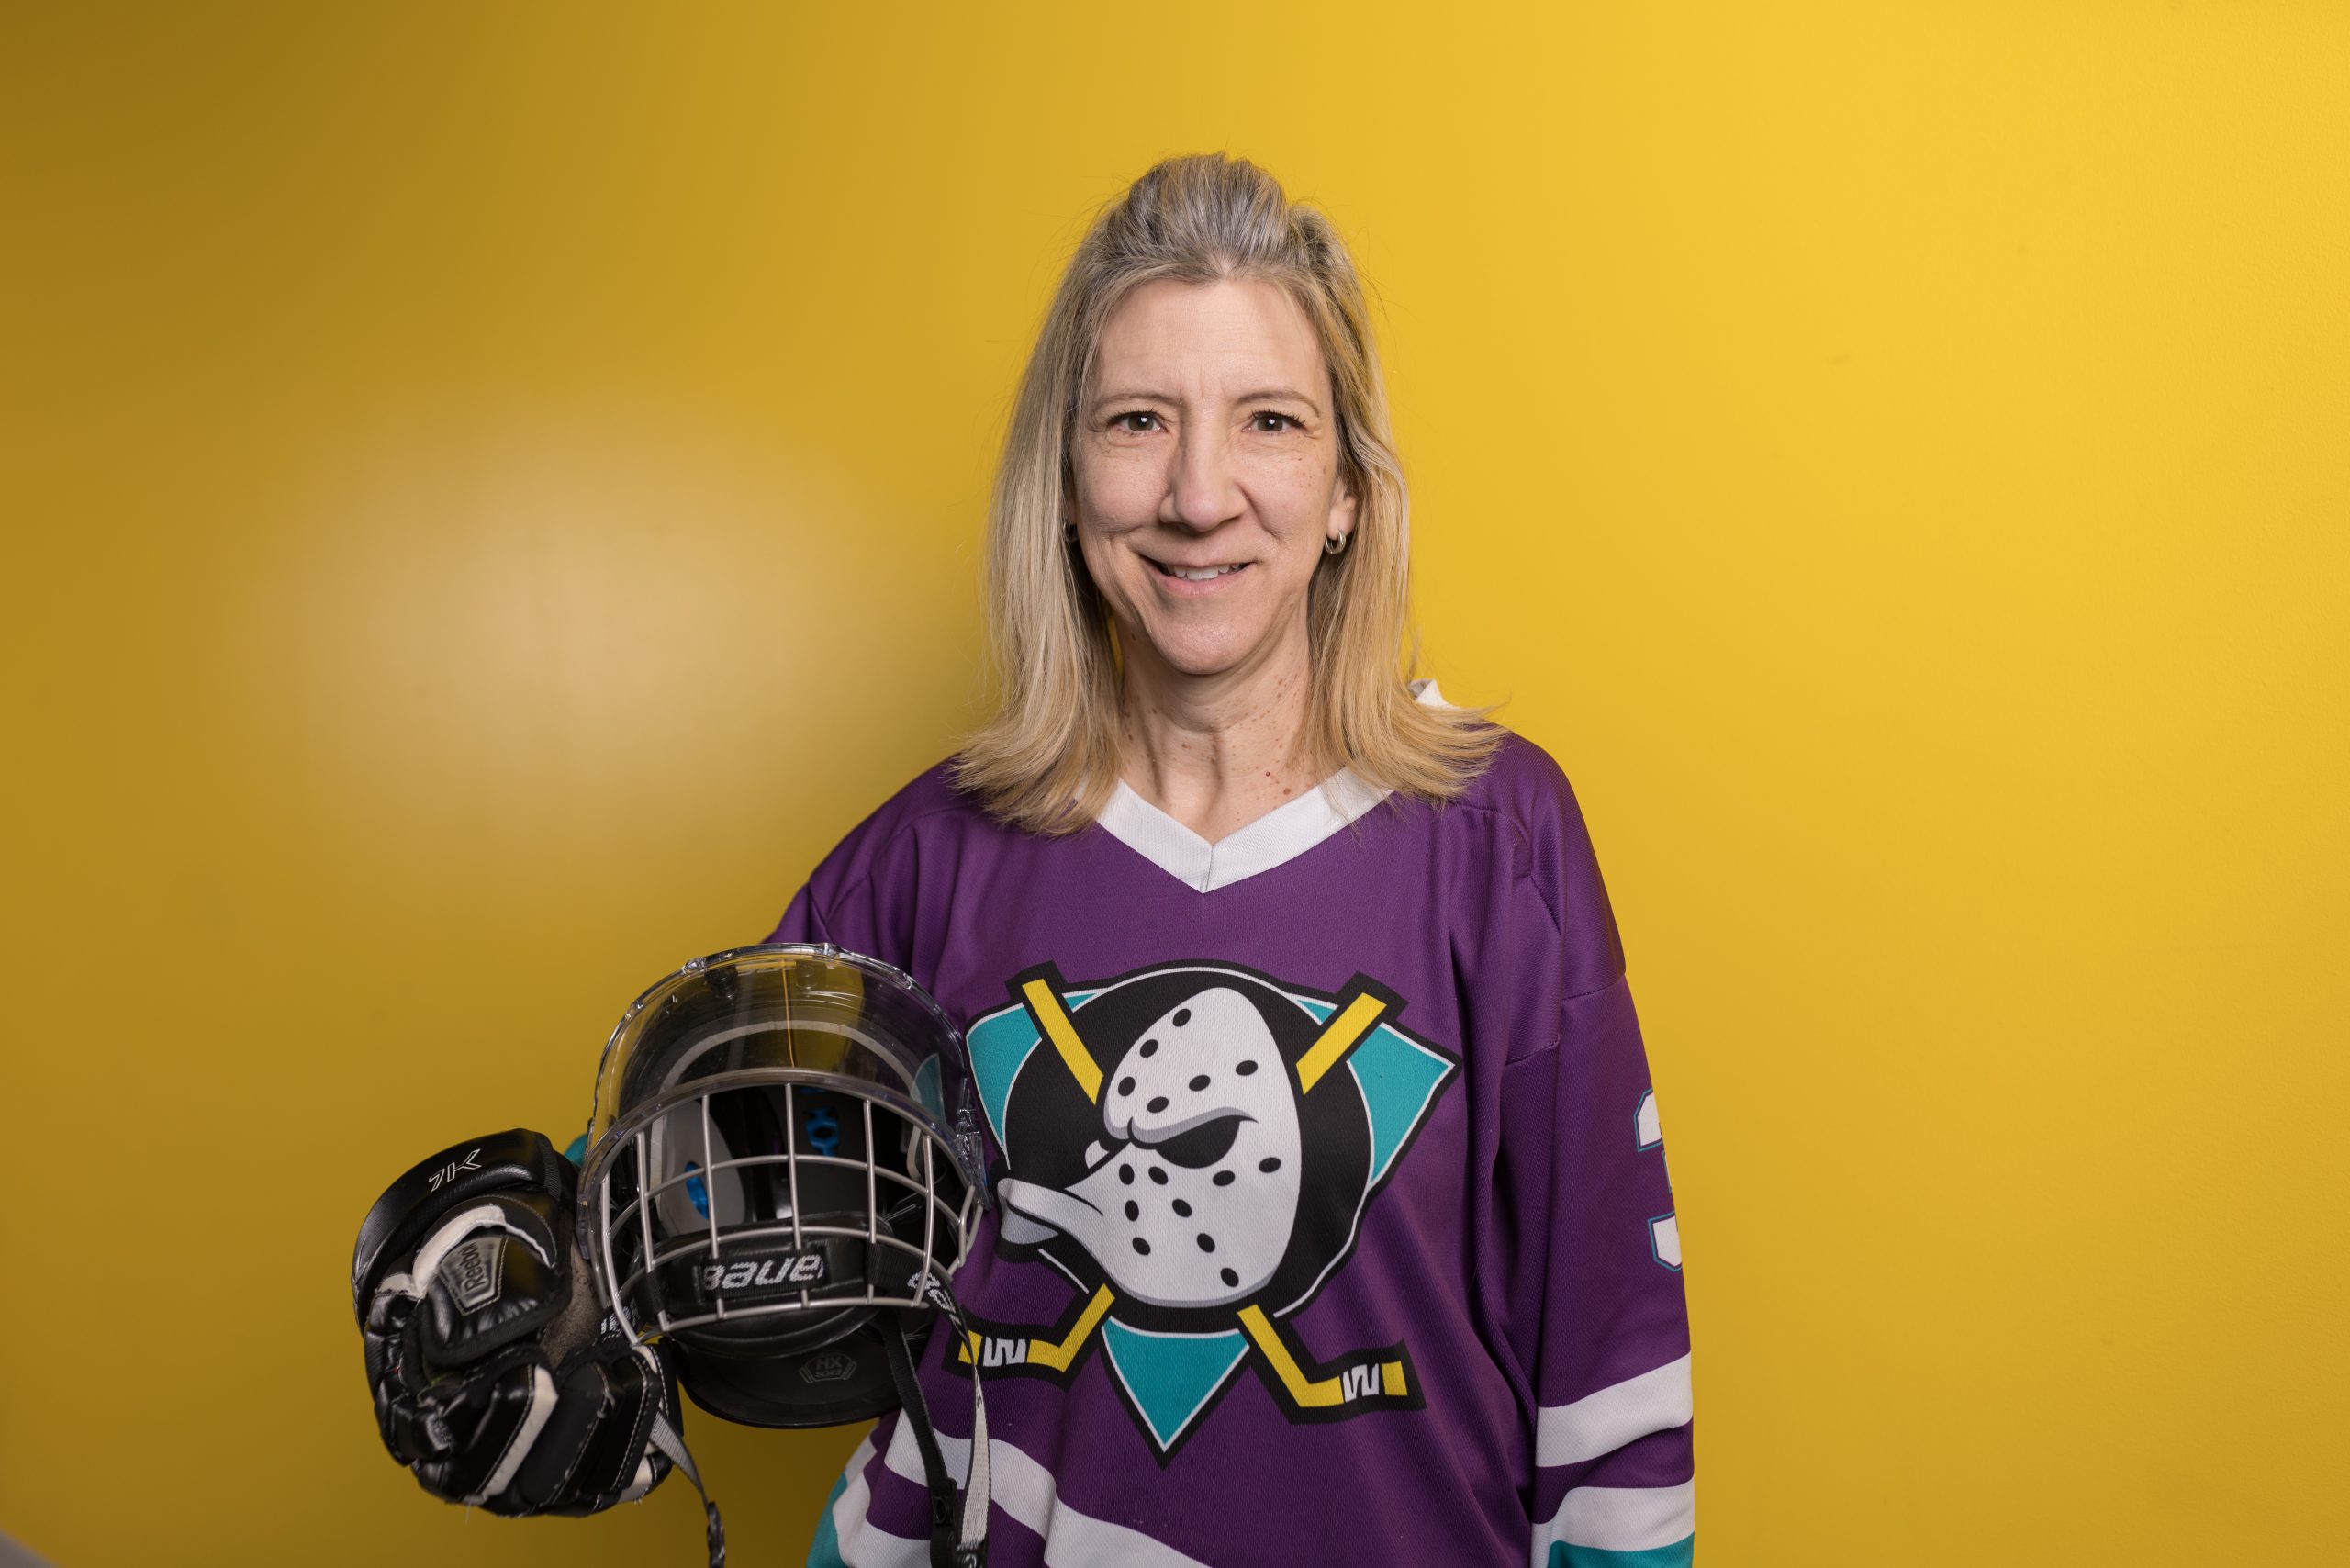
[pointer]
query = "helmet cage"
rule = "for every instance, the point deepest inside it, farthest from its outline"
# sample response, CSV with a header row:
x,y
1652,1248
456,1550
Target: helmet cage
x,y
920,1218
772,1166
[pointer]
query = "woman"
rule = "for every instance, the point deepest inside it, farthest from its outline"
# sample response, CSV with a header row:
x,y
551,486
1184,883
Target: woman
x,y
1331,1218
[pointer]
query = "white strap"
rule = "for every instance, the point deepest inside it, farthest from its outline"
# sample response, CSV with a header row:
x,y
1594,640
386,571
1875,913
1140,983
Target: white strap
x,y
669,1441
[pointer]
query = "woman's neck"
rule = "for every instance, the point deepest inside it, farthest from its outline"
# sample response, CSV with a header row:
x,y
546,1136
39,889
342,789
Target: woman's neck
x,y
1216,752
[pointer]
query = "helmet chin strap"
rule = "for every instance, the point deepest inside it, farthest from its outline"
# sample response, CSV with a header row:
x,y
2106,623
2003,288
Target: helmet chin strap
x,y
671,1441
953,1544
955,1541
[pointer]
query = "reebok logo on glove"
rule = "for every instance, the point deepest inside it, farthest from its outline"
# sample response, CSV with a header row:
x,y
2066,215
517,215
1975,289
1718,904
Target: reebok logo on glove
x,y
474,1270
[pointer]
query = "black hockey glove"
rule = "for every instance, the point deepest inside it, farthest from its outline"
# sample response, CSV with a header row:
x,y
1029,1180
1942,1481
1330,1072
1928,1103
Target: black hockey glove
x,y
495,1382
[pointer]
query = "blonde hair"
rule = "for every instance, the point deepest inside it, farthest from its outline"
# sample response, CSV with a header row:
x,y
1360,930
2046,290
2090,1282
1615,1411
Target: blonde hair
x,y
1048,760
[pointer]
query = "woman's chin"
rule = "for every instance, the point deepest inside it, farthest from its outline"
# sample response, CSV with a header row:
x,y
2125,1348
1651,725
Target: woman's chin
x,y
1197,658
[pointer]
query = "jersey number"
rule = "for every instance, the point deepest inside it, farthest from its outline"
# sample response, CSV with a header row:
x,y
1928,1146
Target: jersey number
x,y
1664,1232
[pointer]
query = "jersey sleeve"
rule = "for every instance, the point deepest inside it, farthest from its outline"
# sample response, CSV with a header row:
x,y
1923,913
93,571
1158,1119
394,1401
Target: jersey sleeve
x,y
851,899
1599,1305
859,896
1595,1306
800,921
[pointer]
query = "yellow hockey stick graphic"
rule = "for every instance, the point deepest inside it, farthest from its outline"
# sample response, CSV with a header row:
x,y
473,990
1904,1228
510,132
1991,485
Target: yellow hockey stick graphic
x,y
1045,1006
1383,1378
998,1350
1341,1034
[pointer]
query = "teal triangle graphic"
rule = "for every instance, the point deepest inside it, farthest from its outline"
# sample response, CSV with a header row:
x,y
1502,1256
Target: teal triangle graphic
x,y
1170,1377
997,1045
1397,1077
1000,1046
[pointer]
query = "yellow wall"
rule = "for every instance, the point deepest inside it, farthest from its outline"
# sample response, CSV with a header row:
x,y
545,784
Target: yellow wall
x,y
492,495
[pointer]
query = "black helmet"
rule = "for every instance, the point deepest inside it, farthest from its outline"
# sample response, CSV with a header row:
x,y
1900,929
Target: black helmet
x,y
783,1170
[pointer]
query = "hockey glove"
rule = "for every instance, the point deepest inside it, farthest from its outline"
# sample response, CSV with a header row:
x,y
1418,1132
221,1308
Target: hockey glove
x,y
495,1382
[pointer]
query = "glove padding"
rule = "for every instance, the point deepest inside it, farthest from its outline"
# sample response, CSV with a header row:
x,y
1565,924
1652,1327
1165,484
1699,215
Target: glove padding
x,y
495,1382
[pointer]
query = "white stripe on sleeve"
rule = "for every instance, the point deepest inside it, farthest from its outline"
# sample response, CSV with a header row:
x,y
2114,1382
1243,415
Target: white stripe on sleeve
x,y
1600,1423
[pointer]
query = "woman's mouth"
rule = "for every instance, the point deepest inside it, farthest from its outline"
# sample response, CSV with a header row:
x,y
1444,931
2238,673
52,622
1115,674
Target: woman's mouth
x,y
1199,574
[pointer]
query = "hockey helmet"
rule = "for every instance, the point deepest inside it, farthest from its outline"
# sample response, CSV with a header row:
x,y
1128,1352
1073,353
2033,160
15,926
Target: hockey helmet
x,y
783,1168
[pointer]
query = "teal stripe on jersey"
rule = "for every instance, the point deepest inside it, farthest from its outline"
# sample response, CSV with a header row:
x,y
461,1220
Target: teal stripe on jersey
x,y
1678,1555
825,1551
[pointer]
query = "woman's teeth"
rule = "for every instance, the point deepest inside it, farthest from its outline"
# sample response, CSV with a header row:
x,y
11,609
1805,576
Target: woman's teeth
x,y
1203,575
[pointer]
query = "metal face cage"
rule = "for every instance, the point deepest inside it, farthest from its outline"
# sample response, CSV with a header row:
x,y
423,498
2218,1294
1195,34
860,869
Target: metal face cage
x,y
783,1144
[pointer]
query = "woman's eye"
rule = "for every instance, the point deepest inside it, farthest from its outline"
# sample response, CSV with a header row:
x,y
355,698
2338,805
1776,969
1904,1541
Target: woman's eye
x,y
1118,421
1282,421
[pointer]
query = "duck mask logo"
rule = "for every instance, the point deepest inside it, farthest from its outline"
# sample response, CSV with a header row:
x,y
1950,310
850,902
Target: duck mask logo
x,y
1193,1145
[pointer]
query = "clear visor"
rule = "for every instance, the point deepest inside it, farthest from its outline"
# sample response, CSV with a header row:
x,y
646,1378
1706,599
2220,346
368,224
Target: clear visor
x,y
810,1008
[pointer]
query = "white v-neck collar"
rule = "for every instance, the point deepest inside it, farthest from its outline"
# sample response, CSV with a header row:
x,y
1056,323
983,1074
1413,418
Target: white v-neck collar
x,y
1282,835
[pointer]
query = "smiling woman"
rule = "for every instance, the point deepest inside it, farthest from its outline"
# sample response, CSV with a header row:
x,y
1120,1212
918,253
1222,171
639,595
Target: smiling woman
x,y
1364,1112
1203,510
1198,552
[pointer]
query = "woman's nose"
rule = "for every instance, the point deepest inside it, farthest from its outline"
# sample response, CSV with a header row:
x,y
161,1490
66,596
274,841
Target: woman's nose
x,y
1203,490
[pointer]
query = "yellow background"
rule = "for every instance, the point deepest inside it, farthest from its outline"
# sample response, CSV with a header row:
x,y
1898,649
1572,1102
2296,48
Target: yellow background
x,y
493,493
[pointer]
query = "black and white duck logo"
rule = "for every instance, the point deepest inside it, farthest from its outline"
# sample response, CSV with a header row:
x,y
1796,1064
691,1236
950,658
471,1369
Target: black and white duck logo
x,y
1193,1145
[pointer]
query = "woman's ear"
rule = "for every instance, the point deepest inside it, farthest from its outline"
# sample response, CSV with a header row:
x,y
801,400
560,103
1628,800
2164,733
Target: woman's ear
x,y
1341,525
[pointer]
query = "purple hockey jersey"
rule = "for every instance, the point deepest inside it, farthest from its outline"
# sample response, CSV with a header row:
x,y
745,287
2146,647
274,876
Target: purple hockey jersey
x,y
1332,1221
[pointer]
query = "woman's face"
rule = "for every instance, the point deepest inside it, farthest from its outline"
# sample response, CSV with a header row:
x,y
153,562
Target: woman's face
x,y
1208,444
